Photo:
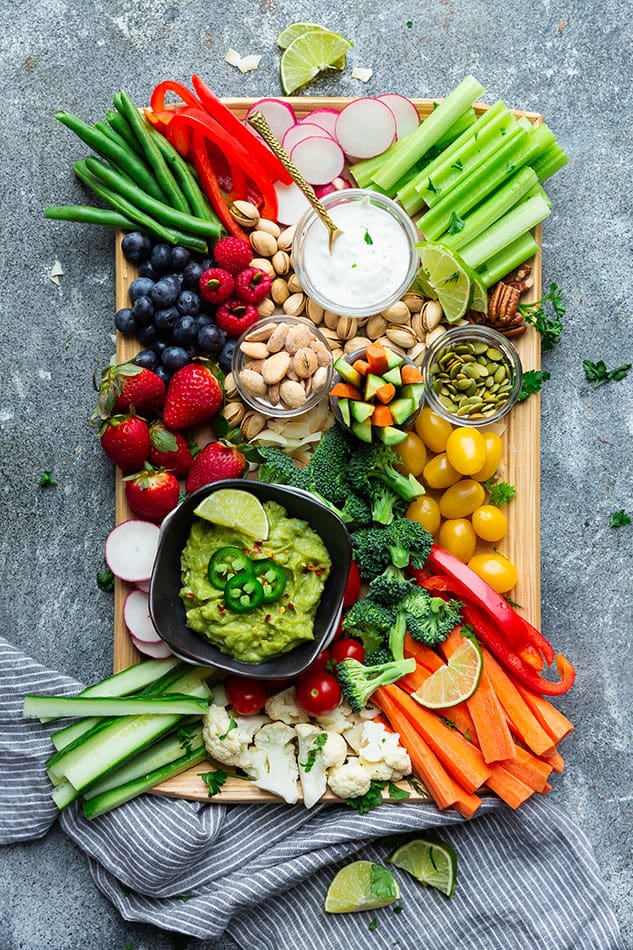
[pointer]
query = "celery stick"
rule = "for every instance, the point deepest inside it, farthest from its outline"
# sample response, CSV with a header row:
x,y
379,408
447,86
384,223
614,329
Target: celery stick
x,y
427,134
493,208
507,229
510,257
539,190
550,162
35,706
464,122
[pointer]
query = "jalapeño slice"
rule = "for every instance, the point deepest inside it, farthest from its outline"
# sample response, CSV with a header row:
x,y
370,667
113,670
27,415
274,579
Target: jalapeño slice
x,y
271,576
225,564
243,592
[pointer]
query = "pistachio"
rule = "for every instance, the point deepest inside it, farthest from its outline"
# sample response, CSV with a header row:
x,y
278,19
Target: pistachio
x,y
258,351
391,344
416,353
417,325
292,394
398,313
230,389
346,327
281,262
356,343
299,335
262,263
375,326
293,306
252,383
294,284
414,302
434,334
330,319
260,333
271,227
324,356
402,336
277,338
266,308
337,352
275,367
285,239
245,213
432,314
314,311
233,412
331,336
305,362
252,425
263,243
279,290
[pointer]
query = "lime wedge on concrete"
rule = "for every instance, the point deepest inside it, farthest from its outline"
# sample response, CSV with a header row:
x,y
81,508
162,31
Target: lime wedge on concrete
x,y
432,863
310,54
291,32
455,682
233,508
361,885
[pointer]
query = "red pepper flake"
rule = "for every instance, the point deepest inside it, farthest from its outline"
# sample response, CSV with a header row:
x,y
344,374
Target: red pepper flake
x,y
291,607
268,618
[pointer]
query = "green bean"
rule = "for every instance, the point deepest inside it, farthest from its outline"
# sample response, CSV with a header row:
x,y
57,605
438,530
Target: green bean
x,y
186,178
88,214
153,154
101,126
164,213
119,124
108,148
170,235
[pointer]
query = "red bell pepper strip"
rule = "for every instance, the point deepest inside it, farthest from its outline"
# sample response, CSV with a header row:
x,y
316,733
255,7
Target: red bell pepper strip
x,y
211,187
179,134
242,134
157,100
160,120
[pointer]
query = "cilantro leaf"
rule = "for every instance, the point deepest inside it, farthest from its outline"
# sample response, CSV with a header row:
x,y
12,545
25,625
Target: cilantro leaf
x,y
214,780
549,326
46,478
533,379
373,924
619,518
500,492
382,883
319,742
455,223
105,580
396,793
368,238
371,799
598,374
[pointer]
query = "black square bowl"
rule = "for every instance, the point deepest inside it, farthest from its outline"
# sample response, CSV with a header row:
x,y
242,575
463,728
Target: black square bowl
x,y
167,610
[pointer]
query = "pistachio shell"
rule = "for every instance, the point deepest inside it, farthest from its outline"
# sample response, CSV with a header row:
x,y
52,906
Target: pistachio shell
x,y
263,243
279,290
294,284
314,311
285,239
376,326
266,307
245,213
281,262
398,313
271,227
346,327
294,305
262,263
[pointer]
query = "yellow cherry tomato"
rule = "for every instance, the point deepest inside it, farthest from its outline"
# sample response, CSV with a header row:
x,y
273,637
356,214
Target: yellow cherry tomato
x,y
496,570
439,473
466,450
490,523
412,452
494,451
432,429
426,511
457,536
461,499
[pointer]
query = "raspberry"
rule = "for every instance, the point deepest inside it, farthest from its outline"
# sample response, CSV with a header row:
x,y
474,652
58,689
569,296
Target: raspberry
x,y
252,285
235,316
232,254
216,285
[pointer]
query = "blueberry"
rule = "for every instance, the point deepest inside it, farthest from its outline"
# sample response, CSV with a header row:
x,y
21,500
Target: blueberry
x,y
185,331
165,318
159,347
136,247
164,293
204,320
143,311
188,303
147,269
148,334
148,359
180,257
175,357
124,322
191,275
161,257
178,278
207,262
140,288
163,373
226,355
211,339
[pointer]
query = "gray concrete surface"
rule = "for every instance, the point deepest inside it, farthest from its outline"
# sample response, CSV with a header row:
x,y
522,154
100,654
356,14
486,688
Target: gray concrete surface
x,y
569,60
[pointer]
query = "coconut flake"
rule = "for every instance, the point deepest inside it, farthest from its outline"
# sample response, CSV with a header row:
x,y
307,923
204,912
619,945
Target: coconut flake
x,y
233,58
363,74
248,63
56,273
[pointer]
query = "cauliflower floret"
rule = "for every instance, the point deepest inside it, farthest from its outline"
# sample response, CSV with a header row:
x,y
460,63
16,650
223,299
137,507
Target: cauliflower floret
x,y
227,737
380,752
339,720
277,771
349,780
318,751
354,736
283,707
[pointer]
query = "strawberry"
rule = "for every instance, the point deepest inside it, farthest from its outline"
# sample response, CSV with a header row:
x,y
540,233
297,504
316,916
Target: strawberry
x,y
169,450
152,493
216,285
232,254
125,440
126,386
252,285
216,461
193,396
234,317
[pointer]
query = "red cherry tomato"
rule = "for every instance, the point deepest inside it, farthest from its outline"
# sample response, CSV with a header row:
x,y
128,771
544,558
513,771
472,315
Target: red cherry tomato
x,y
273,686
318,693
246,696
348,648
353,586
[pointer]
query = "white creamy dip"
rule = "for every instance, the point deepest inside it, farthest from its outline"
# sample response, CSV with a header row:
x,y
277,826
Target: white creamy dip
x,y
370,259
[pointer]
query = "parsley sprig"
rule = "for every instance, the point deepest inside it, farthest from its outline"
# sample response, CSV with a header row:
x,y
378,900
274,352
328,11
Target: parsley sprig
x,y
598,374
214,780
548,324
533,380
619,518
373,798
500,492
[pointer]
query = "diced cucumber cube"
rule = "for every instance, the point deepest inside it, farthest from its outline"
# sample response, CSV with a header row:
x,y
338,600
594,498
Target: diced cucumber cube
x,y
362,430
390,435
360,410
347,372
401,409
343,408
393,376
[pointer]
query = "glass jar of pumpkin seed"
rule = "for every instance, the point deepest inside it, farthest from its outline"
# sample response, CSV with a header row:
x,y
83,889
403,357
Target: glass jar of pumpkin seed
x,y
472,376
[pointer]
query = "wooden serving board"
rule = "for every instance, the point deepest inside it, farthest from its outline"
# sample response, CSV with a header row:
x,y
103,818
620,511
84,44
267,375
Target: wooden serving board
x,y
520,467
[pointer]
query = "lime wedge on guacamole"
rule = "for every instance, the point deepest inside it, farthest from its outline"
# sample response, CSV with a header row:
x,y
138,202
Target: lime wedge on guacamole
x,y
233,508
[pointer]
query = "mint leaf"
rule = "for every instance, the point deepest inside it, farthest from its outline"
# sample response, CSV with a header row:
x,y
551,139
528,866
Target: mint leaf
x,y
46,479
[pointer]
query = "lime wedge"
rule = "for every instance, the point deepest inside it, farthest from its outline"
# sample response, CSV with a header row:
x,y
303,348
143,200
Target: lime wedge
x,y
448,277
233,508
455,682
421,286
361,885
432,863
309,54
479,295
291,32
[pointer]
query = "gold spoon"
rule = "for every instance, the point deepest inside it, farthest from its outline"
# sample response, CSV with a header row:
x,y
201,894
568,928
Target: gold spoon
x,y
258,121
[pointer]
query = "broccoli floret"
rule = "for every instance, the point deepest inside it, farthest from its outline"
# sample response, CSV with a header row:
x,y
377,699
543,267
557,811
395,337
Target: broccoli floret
x,y
378,461
402,541
379,657
430,619
383,501
409,542
328,466
356,511
370,622
279,469
390,587
358,681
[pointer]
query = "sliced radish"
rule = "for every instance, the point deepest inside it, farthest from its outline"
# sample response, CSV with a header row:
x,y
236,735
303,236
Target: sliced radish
x,y
159,651
279,115
326,118
137,618
291,203
318,159
302,131
339,184
365,127
406,114
130,550
144,586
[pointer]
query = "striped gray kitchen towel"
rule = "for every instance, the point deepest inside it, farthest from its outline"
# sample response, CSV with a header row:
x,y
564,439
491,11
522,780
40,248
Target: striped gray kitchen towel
x,y
260,872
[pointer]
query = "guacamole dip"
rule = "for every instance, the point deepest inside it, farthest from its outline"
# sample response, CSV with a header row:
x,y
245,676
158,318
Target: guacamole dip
x,y
269,629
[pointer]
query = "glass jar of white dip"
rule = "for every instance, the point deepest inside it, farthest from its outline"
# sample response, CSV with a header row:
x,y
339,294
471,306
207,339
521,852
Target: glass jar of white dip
x,y
373,262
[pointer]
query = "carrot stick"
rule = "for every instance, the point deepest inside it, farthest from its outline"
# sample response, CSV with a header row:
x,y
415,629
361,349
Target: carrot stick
x,y
463,760
517,710
510,789
552,720
555,759
442,787
528,768
422,654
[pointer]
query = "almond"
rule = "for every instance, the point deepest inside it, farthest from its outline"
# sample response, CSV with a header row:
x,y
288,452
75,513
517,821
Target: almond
x,y
275,367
